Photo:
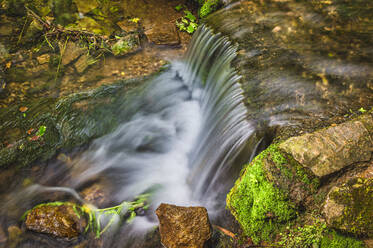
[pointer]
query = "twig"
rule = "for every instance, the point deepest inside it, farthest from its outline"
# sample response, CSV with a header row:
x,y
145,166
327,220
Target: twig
x,y
21,34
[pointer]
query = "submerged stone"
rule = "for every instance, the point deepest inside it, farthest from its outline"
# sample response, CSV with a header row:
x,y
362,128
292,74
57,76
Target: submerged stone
x,y
71,52
180,227
61,221
349,207
84,6
164,34
332,149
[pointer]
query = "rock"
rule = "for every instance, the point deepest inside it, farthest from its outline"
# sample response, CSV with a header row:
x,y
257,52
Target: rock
x,y
14,233
82,63
332,149
71,52
349,207
91,25
269,191
60,221
128,26
127,44
84,6
163,34
43,59
187,227
95,194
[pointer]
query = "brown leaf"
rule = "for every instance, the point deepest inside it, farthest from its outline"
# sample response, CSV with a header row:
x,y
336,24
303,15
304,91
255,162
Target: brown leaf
x,y
34,138
225,231
30,131
23,109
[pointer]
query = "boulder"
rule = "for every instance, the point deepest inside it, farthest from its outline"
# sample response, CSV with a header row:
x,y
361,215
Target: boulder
x,y
332,149
71,52
349,207
269,192
62,221
187,227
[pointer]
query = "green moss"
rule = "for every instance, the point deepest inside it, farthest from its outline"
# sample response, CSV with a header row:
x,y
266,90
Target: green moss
x,y
208,7
257,204
335,240
356,198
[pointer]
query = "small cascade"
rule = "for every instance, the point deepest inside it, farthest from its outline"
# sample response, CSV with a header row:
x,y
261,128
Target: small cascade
x,y
179,146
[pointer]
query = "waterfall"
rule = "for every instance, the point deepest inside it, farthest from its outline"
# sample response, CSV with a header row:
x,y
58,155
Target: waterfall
x,y
190,125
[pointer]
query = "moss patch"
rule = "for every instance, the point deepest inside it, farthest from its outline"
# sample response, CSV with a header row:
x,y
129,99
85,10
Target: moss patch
x,y
356,199
256,203
208,6
335,240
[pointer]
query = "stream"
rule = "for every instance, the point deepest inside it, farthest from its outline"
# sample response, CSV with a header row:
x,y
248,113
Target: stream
x,y
180,145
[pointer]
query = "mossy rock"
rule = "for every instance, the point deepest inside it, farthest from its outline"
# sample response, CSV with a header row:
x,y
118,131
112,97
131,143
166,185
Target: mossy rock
x,y
268,193
349,208
64,220
336,240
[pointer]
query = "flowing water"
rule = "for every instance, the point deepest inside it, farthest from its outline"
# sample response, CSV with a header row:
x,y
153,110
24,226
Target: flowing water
x,y
180,145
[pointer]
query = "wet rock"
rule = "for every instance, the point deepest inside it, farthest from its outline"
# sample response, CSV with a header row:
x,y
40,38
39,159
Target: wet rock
x,y
183,226
71,52
14,233
82,63
84,6
128,26
43,59
95,194
91,25
269,191
163,34
332,149
349,207
60,221
127,44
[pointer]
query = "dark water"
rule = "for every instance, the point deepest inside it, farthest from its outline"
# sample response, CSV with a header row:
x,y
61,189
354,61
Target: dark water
x,y
302,62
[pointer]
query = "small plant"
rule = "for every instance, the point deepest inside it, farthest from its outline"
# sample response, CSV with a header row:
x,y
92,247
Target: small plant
x,y
362,110
188,22
42,130
208,7
135,20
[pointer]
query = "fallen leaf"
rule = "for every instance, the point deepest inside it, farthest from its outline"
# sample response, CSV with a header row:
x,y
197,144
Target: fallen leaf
x,y
34,138
8,65
225,231
23,109
30,131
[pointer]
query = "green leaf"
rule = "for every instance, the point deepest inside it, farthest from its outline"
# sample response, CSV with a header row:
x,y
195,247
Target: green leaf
x,y
362,110
42,130
190,29
184,20
178,8
190,16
